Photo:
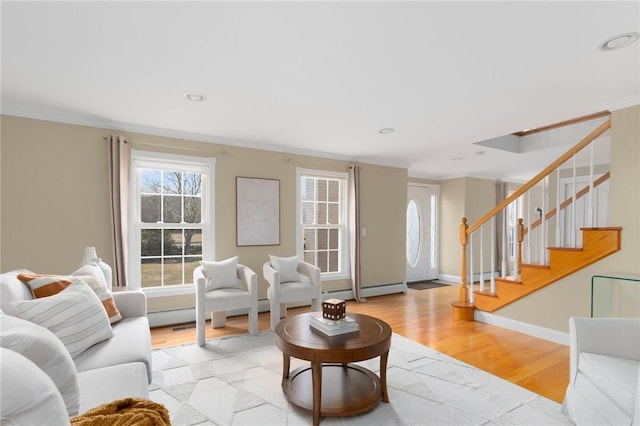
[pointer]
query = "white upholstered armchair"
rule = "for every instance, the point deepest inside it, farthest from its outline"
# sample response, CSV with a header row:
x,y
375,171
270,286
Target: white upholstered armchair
x,y
290,280
221,287
604,376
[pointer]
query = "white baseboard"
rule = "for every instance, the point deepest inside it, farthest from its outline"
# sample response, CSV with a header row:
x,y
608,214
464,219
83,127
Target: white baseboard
x,y
455,279
523,327
186,315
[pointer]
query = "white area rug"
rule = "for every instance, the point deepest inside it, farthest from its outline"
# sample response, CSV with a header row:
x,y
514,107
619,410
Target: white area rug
x,y
236,381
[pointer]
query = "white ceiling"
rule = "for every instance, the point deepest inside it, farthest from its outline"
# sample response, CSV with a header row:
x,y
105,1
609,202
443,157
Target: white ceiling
x,y
322,78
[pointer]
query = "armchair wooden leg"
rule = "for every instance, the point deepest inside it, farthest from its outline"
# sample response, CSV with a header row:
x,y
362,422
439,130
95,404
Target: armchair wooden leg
x,y
218,319
283,310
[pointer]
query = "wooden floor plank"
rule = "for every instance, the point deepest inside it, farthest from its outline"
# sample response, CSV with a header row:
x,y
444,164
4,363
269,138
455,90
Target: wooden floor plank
x,y
425,316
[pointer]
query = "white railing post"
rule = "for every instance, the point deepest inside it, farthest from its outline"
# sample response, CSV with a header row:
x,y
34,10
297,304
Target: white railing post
x,y
530,232
590,208
472,296
492,283
481,257
543,224
558,212
505,230
573,229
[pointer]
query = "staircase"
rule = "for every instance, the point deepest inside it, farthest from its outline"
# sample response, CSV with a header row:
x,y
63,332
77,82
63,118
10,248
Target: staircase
x,y
598,243
555,260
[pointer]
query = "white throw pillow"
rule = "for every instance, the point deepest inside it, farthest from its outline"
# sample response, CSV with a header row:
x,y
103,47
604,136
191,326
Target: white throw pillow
x,y
287,267
45,350
93,275
223,274
75,316
45,285
29,396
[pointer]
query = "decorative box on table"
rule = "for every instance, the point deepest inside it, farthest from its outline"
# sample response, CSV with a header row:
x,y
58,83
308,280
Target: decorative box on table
x,y
334,309
333,320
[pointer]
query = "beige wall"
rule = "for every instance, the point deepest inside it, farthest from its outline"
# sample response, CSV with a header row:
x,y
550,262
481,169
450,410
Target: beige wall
x,y
54,184
464,197
452,209
572,295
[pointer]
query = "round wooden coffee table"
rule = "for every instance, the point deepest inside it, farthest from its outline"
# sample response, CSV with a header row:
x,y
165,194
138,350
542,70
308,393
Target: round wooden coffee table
x,y
331,386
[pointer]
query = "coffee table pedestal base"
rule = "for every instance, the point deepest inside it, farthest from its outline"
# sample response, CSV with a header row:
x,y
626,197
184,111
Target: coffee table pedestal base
x,y
347,390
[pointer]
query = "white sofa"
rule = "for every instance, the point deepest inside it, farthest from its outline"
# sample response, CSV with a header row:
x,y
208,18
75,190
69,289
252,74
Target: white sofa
x,y
604,381
116,368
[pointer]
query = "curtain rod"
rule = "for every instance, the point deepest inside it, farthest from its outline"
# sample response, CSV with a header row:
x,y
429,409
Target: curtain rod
x,y
126,140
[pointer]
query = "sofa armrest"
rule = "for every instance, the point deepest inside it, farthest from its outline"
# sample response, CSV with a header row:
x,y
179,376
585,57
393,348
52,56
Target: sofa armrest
x,y
619,337
131,303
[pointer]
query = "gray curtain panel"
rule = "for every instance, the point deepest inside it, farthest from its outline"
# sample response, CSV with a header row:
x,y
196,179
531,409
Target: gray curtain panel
x,y
119,163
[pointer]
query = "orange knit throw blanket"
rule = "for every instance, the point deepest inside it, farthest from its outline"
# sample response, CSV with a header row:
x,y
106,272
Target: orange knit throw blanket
x,y
125,412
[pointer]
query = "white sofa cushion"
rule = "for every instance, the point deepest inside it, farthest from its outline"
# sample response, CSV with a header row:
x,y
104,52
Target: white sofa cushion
x,y
108,384
131,342
616,377
20,377
45,350
75,316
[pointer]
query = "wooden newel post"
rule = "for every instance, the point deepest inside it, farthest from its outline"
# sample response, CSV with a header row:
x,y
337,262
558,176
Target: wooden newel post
x,y
464,291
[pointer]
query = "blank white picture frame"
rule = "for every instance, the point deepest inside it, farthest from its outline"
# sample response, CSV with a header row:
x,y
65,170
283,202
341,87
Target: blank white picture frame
x,y
257,211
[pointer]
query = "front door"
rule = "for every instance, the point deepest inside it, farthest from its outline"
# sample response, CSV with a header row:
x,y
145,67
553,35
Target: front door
x,y
422,236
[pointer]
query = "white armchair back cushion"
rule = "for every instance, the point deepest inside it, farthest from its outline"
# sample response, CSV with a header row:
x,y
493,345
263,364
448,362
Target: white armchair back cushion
x,y
222,274
287,267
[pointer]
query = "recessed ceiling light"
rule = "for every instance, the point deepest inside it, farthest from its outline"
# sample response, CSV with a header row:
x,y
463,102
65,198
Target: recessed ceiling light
x,y
620,41
387,131
195,97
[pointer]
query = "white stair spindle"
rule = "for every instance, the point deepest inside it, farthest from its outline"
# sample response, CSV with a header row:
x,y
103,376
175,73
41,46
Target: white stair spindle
x,y
492,284
505,230
543,224
471,295
590,208
573,228
530,232
558,212
481,258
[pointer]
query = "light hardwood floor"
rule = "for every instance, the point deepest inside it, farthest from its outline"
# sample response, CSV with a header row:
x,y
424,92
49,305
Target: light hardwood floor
x,y
425,316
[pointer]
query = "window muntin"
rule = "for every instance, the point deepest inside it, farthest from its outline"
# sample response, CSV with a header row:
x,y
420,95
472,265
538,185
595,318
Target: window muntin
x,y
322,221
171,218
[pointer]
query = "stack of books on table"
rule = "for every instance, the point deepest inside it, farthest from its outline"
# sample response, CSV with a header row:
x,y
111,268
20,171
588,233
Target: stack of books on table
x,y
331,327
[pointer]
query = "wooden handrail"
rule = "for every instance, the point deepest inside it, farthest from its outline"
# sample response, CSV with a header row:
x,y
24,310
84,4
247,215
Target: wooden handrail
x,y
537,178
563,123
568,201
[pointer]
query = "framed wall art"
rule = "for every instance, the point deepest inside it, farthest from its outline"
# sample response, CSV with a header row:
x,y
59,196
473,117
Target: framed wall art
x,y
257,211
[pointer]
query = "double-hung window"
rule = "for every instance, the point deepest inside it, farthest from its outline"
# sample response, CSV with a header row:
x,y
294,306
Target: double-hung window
x,y
171,218
322,231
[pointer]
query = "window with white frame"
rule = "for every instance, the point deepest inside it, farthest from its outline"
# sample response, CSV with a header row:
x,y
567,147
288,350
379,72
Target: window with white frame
x,y
322,221
170,218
